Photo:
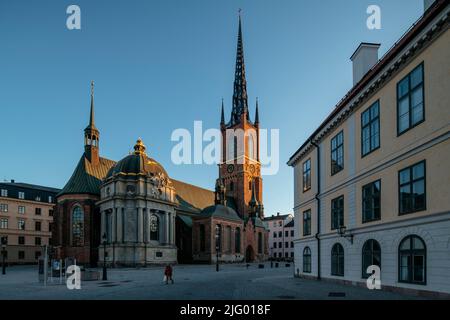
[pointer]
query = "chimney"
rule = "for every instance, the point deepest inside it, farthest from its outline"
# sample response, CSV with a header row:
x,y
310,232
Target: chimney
x,y
427,4
13,181
364,58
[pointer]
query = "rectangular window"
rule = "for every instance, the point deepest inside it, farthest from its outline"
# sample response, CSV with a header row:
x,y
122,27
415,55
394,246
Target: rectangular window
x,y
275,245
37,241
370,129
337,213
21,255
286,244
3,223
21,224
38,211
280,234
50,227
307,175
292,244
286,234
292,233
4,193
307,223
37,254
280,245
50,199
274,234
337,153
3,207
21,195
37,226
371,194
21,240
412,193
410,100
50,212
38,198
22,209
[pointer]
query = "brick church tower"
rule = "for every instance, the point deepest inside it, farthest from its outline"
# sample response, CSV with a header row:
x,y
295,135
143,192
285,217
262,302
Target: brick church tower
x,y
240,169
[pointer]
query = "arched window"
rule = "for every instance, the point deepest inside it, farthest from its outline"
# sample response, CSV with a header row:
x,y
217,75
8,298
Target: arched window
x,y
237,241
202,238
337,260
154,228
260,243
250,147
412,260
371,255
77,227
228,236
231,186
307,260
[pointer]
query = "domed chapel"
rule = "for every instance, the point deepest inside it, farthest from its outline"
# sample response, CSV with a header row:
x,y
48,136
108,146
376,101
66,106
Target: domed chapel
x,y
135,211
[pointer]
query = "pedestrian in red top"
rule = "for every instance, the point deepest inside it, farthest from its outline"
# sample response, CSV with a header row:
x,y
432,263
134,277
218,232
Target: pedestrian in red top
x,y
168,274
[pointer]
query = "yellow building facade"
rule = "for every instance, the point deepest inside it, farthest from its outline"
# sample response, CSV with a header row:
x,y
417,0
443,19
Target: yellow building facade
x,y
375,176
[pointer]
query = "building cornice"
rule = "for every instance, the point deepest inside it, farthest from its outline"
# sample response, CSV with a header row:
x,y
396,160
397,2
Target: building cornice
x,y
418,37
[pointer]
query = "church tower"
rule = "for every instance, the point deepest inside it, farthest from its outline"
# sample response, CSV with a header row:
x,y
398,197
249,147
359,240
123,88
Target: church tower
x,y
240,169
92,136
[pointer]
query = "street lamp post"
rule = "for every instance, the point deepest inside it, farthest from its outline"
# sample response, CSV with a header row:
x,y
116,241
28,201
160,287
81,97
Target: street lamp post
x,y
4,240
217,248
105,276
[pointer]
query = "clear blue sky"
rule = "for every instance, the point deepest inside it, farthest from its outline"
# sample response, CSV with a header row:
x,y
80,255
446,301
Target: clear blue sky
x,y
159,65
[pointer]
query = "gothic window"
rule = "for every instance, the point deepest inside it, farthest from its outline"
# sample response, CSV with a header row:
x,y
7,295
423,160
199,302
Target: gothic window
x,y
202,238
228,238
154,228
260,243
337,260
77,227
371,255
412,260
250,147
237,241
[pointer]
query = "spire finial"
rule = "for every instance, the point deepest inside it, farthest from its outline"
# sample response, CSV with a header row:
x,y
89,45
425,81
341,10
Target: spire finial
x,y
222,115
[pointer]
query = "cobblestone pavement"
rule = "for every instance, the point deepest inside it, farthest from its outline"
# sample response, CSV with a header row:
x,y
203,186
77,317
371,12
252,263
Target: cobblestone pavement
x,y
202,282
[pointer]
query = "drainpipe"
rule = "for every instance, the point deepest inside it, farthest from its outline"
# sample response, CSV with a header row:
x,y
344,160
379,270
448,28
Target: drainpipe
x,y
318,208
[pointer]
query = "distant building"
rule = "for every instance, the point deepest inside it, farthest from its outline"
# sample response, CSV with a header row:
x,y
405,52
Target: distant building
x,y
371,183
281,235
26,218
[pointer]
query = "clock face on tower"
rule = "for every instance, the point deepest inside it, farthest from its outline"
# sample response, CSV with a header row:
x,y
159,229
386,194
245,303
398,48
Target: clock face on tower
x,y
230,168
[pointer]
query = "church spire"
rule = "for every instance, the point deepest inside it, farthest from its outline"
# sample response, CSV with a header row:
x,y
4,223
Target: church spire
x,y
92,135
92,118
240,104
257,113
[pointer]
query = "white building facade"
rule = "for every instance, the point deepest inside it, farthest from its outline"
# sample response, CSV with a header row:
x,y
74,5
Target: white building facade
x,y
281,236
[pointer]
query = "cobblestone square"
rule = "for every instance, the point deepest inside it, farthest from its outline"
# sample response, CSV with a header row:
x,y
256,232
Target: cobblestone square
x,y
192,282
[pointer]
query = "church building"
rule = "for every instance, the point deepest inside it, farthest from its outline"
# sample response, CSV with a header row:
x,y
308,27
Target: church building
x,y
140,215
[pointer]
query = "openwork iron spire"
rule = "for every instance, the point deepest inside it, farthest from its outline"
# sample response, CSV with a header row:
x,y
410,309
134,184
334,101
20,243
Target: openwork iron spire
x,y
240,104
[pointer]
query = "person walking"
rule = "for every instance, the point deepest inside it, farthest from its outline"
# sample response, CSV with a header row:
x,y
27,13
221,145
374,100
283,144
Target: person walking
x,y
168,274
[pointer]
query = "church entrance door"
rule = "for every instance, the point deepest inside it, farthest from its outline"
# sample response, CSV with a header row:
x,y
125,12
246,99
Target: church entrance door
x,y
249,254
